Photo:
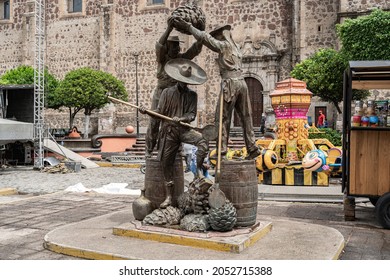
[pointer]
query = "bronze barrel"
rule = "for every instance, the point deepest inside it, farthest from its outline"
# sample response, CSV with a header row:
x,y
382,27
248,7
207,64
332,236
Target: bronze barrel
x,y
154,182
239,183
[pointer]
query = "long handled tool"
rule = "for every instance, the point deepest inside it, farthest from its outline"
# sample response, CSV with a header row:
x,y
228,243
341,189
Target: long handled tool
x,y
217,198
208,131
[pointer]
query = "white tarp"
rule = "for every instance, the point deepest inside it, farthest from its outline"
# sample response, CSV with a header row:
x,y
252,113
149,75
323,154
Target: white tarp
x,y
111,188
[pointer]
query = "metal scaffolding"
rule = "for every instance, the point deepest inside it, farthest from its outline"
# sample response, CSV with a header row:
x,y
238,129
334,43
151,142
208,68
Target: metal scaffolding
x,y
39,82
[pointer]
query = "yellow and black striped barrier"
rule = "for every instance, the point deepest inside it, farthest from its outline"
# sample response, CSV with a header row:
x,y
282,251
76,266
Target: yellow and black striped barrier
x,y
294,176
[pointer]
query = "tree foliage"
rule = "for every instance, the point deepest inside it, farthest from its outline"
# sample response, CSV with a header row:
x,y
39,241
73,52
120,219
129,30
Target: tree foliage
x,y
323,74
87,89
24,75
327,133
363,38
366,37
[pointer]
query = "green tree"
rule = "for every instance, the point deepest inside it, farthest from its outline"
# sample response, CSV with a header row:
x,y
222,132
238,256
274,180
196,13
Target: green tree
x,y
323,74
363,38
87,89
24,75
366,37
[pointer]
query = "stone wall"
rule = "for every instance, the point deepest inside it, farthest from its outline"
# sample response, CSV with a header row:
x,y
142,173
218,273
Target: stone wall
x,y
362,5
12,34
317,26
119,37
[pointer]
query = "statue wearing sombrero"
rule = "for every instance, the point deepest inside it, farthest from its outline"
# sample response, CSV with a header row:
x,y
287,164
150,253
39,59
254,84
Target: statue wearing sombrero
x,y
167,48
179,103
234,88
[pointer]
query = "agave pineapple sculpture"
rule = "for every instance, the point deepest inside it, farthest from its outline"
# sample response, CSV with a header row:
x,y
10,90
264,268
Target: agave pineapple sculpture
x,y
223,218
192,14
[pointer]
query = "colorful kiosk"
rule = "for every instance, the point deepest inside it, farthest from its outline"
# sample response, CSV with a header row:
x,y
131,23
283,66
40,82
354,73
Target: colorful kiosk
x,y
291,101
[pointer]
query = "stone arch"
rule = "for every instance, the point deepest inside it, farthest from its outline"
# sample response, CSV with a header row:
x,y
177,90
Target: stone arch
x,y
261,79
261,60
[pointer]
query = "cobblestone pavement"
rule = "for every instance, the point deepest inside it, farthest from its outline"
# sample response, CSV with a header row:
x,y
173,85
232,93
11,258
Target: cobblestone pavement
x,y
25,220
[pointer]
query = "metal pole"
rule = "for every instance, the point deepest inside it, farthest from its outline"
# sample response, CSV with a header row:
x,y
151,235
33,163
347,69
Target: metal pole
x,y
136,91
39,82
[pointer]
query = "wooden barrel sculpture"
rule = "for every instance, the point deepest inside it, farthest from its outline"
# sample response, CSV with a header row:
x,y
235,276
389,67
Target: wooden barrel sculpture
x,y
155,183
239,183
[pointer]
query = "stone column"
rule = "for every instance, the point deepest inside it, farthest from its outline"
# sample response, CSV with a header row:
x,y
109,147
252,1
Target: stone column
x,y
28,34
272,79
107,120
296,27
107,116
107,38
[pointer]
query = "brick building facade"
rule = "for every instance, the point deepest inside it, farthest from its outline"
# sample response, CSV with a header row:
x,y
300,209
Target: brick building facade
x,y
118,36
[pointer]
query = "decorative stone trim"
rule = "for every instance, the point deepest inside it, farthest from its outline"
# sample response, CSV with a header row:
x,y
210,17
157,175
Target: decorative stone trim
x,y
96,139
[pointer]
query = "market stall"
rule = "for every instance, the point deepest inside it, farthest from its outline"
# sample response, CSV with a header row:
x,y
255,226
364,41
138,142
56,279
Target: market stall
x,y
366,140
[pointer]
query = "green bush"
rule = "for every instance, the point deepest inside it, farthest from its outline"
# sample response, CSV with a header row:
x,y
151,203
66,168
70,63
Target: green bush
x,y
86,89
24,75
332,135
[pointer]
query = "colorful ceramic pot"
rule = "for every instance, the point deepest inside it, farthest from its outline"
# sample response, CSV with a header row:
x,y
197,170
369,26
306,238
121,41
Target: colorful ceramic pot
x,y
373,120
356,120
365,121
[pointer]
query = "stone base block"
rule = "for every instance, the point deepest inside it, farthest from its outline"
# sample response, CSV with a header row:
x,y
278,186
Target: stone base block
x,y
234,241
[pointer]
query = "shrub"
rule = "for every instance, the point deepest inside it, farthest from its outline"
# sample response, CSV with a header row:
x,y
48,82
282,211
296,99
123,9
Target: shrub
x,y
332,135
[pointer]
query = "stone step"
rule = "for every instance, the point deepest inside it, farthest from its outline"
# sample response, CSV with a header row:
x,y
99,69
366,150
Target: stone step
x,y
138,149
75,143
235,140
211,146
138,145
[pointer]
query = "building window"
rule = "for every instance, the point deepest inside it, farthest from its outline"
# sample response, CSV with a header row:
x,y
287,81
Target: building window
x,y
4,9
156,2
75,6
147,5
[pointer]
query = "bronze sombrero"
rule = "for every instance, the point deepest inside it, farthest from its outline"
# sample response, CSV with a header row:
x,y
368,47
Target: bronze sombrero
x,y
219,29
186,71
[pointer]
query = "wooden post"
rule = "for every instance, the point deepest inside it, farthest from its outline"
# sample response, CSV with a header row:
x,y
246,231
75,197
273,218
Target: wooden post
x,y
349,207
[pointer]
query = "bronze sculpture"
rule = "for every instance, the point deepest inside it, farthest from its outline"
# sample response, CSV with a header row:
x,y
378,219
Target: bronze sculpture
x,y
233,86
167,48
179,103
197,210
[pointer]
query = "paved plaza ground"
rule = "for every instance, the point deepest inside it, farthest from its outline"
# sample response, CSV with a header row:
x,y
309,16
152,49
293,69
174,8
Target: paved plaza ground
x,y
43,206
